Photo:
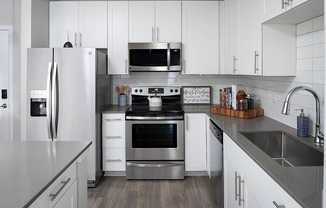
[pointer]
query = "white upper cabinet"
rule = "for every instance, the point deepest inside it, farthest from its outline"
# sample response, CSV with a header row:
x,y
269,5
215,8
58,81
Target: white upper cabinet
x,y
241,37
63,23
229,21
250,37
84,21
118,37
274,8
200,37
151,21
93,24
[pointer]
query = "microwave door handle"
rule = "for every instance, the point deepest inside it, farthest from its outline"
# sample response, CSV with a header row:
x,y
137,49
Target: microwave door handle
x,y
168,56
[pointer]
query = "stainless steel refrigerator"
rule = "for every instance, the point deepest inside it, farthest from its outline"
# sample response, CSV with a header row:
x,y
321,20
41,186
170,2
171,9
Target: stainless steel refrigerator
x,y
67,90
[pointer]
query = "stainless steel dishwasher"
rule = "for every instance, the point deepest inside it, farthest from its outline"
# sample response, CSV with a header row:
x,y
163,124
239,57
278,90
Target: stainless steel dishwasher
x,y
216,162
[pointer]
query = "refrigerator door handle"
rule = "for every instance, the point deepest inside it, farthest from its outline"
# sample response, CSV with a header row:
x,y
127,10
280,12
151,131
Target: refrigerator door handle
x,y
49,100
55,99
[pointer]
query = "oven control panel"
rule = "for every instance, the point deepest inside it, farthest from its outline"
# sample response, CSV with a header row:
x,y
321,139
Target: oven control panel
x,y
163,91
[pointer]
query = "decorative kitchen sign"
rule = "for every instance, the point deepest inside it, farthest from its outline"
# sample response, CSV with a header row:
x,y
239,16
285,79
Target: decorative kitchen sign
x,y
196,95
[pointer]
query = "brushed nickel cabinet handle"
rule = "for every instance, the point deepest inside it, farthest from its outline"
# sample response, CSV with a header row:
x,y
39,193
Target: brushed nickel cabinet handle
x,y
64,183
75,40
240,199
234,64
256,68
113,160
113,137
113,119
80,40
278,206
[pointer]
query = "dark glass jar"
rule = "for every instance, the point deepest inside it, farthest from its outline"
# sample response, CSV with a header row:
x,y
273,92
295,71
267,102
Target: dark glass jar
x,y
243,104
251,101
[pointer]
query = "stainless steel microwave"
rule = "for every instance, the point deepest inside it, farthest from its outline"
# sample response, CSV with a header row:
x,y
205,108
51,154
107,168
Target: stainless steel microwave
x,y
156,57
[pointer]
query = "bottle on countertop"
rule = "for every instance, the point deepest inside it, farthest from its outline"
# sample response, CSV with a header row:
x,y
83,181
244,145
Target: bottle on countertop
x,y
302,125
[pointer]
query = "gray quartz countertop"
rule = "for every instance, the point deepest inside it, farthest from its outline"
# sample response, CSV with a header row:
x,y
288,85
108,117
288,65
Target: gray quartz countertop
x,y
115,109
304,184
29,167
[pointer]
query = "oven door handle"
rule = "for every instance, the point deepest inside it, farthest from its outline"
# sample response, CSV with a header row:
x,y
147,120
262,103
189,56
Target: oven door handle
x,y
156,165
154,118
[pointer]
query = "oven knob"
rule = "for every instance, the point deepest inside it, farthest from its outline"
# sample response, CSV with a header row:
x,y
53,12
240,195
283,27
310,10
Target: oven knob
x,y
176,90
136,90
171,90
140,90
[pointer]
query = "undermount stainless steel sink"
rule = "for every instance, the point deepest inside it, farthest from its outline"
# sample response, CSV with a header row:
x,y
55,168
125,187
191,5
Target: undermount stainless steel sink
x,y
285,150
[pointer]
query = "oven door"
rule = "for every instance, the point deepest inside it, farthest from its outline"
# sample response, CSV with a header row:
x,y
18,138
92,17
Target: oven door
x,y
154,140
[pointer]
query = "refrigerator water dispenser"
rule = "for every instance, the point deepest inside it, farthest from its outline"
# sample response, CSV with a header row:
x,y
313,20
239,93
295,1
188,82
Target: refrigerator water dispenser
x,y
38,103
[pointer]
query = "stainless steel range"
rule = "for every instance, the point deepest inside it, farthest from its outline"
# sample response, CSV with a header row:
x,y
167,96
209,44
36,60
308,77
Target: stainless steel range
x,y
155,134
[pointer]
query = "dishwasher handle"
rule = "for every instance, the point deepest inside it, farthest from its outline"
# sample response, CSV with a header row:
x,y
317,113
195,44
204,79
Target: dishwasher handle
x,y
217,132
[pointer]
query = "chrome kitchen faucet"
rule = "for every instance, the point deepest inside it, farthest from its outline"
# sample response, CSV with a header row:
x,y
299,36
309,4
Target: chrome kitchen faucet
x,y
319,136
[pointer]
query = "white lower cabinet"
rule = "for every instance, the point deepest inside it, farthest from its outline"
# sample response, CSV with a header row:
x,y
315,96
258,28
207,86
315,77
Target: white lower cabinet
x,y
60,191
69,199
195,142
247,185
113,141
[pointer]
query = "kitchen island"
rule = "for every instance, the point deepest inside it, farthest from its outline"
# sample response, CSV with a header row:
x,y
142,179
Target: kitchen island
x,y
29,168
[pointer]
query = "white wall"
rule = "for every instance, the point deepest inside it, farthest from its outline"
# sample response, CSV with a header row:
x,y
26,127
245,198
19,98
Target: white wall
x,y
270,91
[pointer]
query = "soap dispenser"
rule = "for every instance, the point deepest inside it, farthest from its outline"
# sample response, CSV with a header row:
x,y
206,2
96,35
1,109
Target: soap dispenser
x,y
302,125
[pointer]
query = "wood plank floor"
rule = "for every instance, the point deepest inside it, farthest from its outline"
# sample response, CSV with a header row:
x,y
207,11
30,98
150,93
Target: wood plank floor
x,y
117,192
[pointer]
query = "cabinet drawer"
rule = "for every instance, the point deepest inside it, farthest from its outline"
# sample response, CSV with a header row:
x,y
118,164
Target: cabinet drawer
x,y
56,190
113,130
114,159
113,141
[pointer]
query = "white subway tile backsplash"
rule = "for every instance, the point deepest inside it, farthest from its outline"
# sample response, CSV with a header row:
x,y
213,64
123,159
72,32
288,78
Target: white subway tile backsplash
x,y
305,39
318,77
318,64
304,52
318,23
305,27
318,50
305,64
318,37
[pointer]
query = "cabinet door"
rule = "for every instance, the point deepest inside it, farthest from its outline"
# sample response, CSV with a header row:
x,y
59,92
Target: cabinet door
x,y
93,24
283,198
141,21
63,23
231,183
168,21
195,142
229,36
272,9
117,37
200,37
250,37
69,199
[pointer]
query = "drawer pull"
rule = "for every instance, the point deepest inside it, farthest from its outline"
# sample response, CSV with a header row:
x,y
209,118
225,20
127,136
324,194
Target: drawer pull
x,y
64,183
113,160
113,119
113,137
278,206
